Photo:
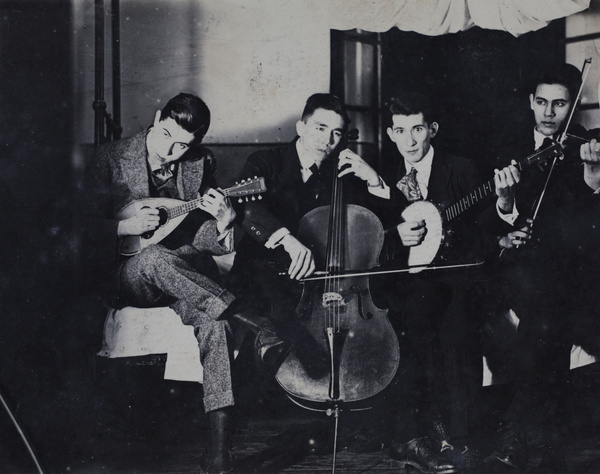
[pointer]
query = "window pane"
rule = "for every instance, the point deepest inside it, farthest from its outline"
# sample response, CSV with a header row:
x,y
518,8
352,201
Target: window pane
x,y
366,124
360,73
583,23
576,53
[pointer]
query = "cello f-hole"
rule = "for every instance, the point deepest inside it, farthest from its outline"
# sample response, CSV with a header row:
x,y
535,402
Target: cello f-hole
x,y
361,310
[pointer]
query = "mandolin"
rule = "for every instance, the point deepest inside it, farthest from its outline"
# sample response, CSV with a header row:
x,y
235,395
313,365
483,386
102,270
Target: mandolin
x,y
172,212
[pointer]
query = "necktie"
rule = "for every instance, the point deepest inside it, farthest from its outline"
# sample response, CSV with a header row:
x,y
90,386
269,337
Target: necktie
x,y
410,187
163,182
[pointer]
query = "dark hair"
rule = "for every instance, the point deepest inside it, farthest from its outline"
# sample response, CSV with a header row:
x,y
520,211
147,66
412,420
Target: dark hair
x,y
412,103
190,113
563,74
327,102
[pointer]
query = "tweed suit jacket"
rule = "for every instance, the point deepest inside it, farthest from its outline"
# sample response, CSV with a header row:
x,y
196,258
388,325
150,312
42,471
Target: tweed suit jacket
x,y
119,175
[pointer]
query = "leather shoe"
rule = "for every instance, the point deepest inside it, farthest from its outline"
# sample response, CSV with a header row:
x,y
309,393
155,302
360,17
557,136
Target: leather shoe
x,y
511,448
465,458
419,454
217,464
270,348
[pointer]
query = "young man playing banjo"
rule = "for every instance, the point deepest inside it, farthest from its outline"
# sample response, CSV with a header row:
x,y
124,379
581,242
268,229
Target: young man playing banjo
x,y
430,306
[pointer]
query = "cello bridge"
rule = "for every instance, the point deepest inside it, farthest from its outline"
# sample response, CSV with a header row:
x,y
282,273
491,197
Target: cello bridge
x,y
332,297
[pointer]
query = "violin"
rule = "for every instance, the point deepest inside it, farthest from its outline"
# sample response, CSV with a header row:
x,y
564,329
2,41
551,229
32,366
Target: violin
x,y
348,350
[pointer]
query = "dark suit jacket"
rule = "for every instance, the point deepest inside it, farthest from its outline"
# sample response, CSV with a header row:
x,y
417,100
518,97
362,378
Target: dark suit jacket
x,y
562,253
280,206
452,178
520,147
119,175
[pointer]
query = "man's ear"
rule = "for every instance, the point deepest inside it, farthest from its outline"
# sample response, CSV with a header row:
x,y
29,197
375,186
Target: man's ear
x,y
531,101
156,118
390,133
433,128
300,126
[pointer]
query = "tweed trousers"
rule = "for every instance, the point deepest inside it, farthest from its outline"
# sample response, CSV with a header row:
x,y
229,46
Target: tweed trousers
x,y
187,280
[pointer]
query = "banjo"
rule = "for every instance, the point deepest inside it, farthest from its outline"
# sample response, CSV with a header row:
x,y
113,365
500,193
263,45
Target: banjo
x,y
436,219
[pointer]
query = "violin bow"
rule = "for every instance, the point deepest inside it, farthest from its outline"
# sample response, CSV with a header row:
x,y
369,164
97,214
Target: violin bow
x,y
584,73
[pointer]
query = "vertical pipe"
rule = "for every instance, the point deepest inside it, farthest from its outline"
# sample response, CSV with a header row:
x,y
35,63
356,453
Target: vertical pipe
x,y
116,68
380,115
99,105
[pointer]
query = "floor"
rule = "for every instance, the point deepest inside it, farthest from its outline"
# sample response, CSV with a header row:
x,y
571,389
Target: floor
x,y
137,423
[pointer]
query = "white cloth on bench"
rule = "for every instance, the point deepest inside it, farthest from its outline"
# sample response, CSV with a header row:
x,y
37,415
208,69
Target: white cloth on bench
x,y
132,332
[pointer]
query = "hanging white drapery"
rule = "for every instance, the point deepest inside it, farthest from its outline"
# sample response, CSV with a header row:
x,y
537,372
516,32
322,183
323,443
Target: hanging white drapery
x,y
438,17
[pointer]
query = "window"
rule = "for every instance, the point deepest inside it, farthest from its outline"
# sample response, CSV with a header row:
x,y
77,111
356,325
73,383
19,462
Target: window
x,y
355,77
583,41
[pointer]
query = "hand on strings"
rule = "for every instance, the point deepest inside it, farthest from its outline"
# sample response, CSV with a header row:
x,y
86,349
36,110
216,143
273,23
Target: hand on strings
x,y
518,237
590,155
219,206
590,152
412,232
350,163
145,220
303,263
505,181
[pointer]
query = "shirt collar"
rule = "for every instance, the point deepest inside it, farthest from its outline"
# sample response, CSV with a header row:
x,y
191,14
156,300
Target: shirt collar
x,y
305,160
157,166
423,167
539,138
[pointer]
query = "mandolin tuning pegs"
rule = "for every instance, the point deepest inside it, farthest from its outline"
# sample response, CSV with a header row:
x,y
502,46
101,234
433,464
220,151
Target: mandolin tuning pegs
x,y
253,198
240,200
243,181
259,197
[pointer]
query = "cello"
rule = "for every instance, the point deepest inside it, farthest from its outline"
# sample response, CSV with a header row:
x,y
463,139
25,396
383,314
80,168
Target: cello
x,y
354,351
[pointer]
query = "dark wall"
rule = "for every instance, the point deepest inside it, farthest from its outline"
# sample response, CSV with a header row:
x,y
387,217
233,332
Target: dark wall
x,y
36,271
477,77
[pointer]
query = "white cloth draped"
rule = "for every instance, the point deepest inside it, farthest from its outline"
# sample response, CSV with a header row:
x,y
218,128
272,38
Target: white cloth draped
x,y
132,332
438,17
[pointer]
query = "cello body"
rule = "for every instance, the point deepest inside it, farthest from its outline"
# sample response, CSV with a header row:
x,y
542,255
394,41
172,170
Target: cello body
x,y
350,349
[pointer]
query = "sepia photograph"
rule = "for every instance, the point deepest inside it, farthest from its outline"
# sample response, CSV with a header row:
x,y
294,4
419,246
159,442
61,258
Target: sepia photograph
x,y
300,236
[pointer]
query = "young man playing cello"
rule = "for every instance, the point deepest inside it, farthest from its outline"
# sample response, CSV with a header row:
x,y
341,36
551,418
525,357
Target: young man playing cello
x,y
299,178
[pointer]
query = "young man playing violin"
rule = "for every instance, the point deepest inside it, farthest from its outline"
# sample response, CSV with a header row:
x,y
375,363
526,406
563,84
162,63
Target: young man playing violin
x,y
165,161
548,230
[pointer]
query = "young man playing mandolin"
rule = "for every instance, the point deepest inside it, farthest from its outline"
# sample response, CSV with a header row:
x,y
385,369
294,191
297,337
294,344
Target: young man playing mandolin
x,y
165,161
549,271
